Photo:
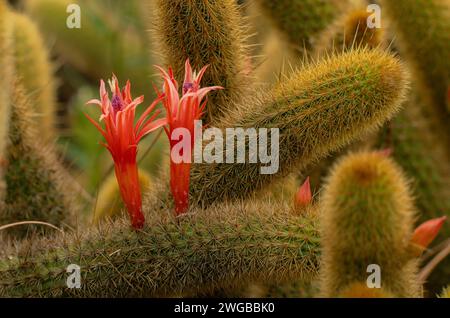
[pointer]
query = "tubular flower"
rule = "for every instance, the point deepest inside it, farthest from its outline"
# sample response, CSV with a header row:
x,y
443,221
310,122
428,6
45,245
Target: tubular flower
x,y
181,116
122,136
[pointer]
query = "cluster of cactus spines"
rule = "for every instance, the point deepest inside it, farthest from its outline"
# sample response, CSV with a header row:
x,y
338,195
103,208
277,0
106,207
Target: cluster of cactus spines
x,y
100,47
35,72
37,188
428,48
109,203
367,216
445,293
302,21
319,109
410,135
210,33
7,69
183,256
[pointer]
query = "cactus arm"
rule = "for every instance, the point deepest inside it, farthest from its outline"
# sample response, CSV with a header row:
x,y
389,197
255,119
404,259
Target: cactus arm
x,y
319,109
199,252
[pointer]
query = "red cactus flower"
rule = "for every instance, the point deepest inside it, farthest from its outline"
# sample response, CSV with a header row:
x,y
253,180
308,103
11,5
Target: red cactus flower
x,y
122,136
182,113
427,232
303,197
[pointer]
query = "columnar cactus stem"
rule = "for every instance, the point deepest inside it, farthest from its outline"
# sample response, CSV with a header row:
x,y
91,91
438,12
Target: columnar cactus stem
x,y
38,189
206,32
367,218
319,109
192,254
35,72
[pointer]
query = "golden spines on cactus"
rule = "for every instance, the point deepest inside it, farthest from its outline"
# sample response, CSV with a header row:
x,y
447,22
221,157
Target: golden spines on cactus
x,y
35,72
200,252
367,218
109,203
360,290
428,47
302,21
319,109
37,188
206,32
6,75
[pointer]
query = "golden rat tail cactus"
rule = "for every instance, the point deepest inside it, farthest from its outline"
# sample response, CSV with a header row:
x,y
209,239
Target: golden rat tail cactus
x,y
35,72
210,249
317,110
367,220
210,33
38,189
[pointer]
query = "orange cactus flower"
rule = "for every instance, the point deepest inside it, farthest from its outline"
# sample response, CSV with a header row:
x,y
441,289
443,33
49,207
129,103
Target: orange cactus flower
x,y
182,113
425,233
303,197
122,136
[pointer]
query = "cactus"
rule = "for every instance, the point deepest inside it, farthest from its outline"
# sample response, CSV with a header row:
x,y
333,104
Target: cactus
x,y
6,68
302,21
37,187
206,32
367,218
427,49
445,293
35,72
319,109
100,47
199,252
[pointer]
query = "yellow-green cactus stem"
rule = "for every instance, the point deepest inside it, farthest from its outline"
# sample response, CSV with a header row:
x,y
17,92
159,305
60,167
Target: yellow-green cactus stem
x,y
367,219
35,72
196,253
319,109
208,32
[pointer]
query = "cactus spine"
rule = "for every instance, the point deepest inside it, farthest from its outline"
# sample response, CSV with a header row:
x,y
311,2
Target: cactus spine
x,y
35,72
200,252
367,218
206,32
319,109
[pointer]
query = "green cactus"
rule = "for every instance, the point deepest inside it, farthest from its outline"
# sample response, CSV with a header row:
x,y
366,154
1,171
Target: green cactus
x,y
302,21
318,110
422,31
101,46
37,187
35,72
6,69
410,135
367,218
192,254
206,32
